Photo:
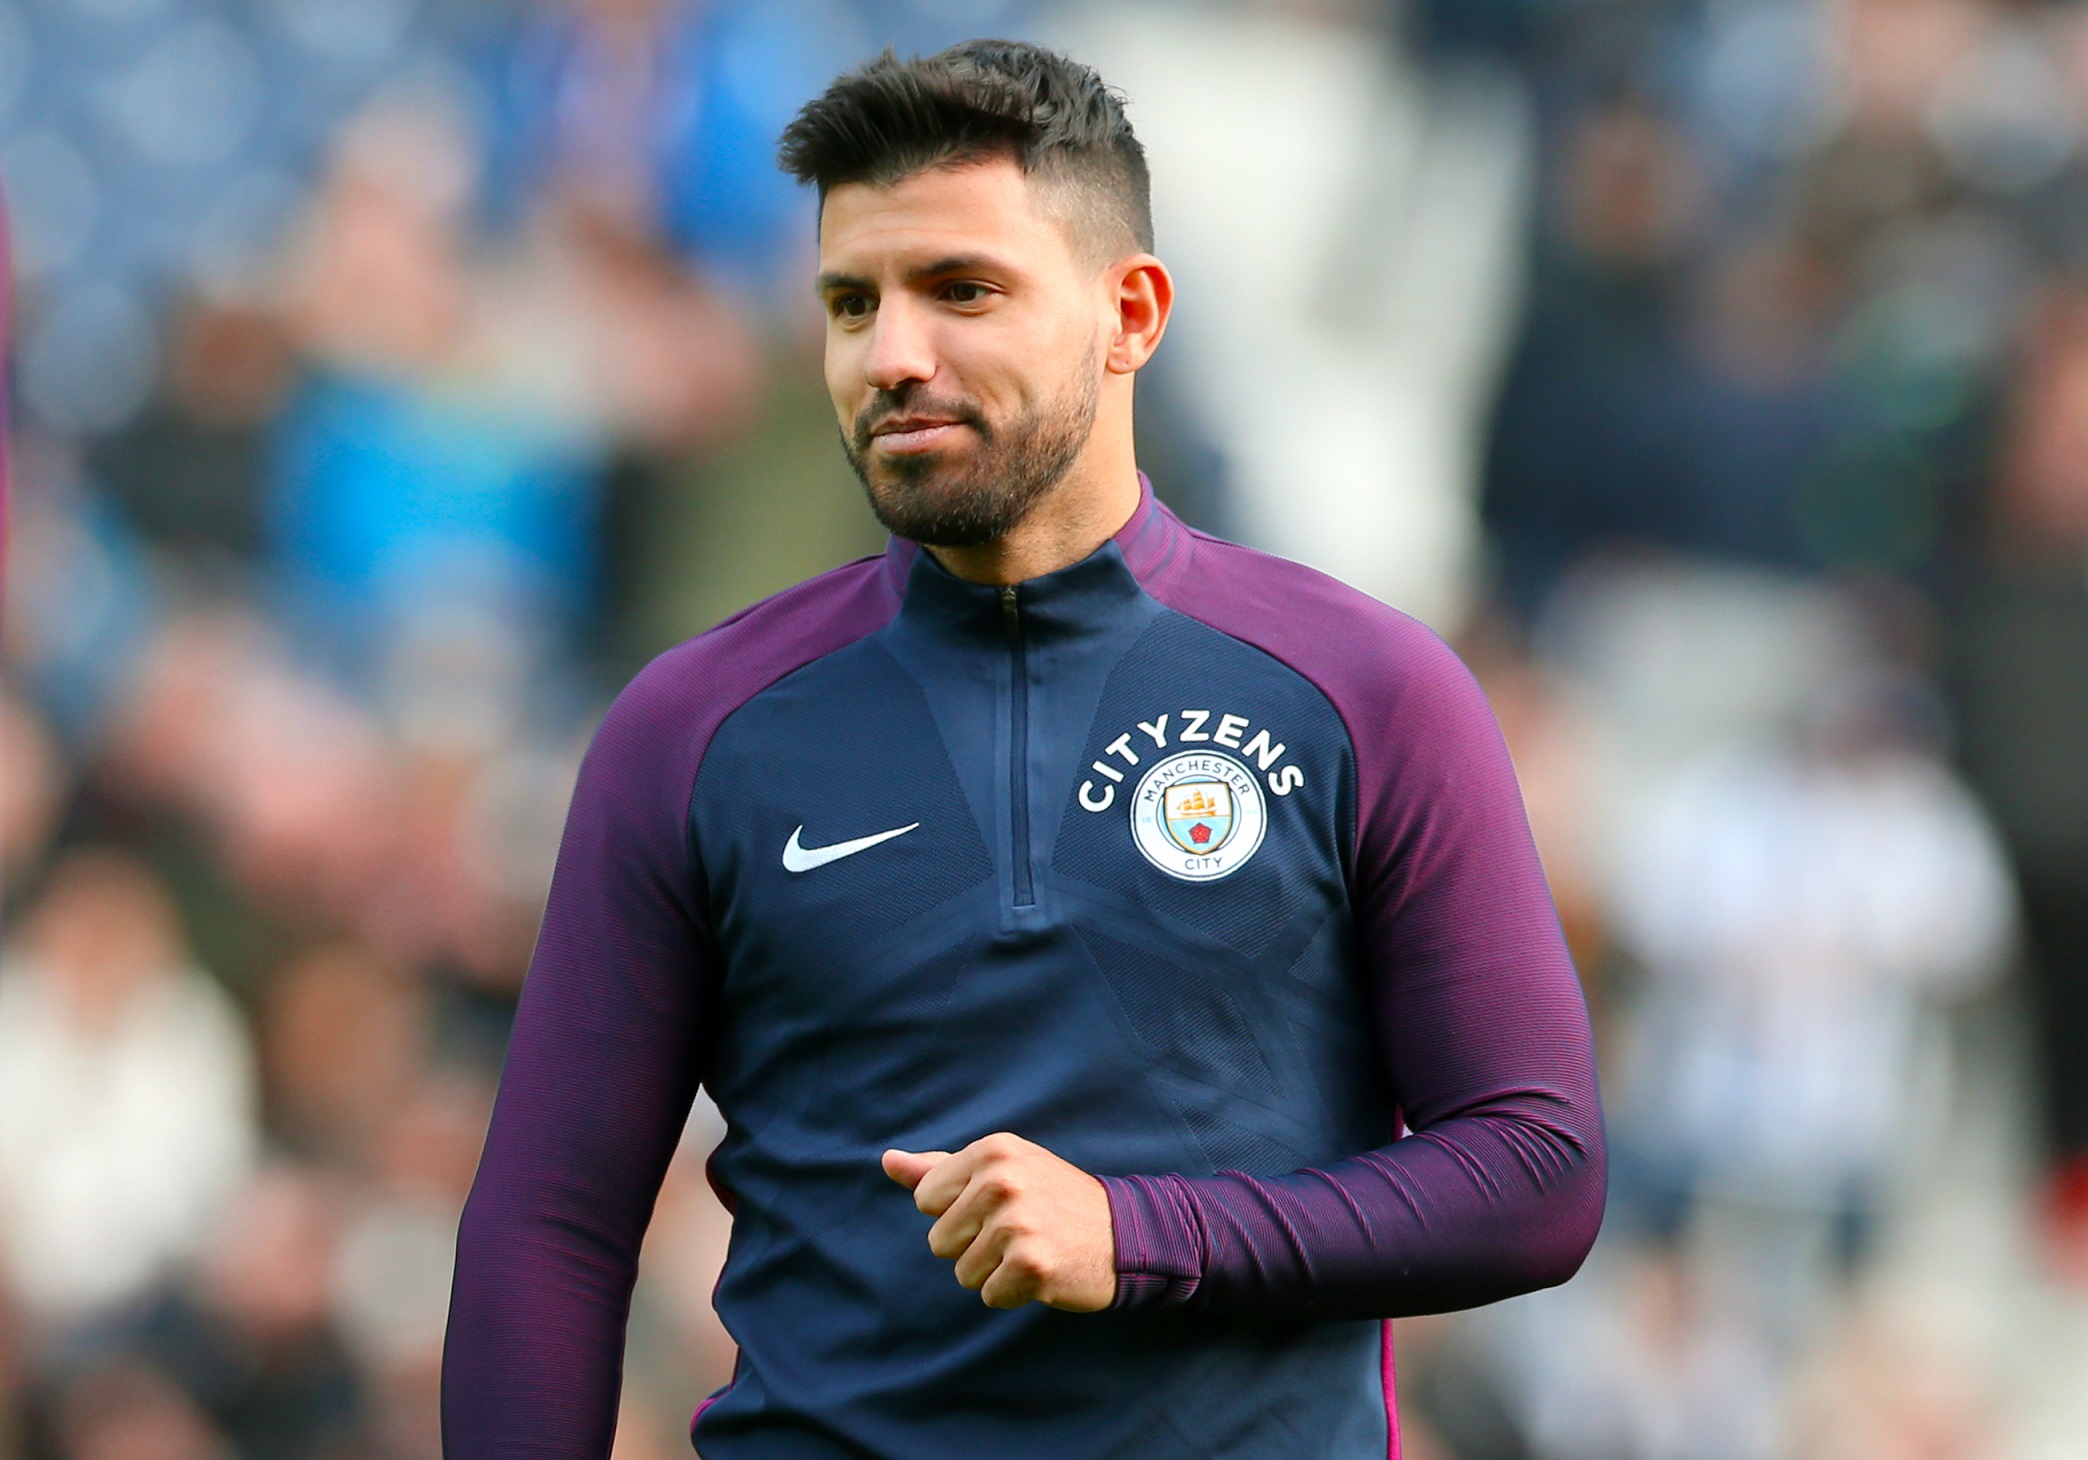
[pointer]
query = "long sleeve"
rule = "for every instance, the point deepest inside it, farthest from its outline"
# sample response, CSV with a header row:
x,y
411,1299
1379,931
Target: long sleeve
x,y
618,1018
1484,1039
601,1070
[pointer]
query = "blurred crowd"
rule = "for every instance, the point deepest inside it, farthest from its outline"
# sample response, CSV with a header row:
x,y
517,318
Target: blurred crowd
x,y
393,377
1786,498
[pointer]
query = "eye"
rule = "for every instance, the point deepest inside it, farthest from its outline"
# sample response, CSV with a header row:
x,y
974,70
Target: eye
x,y
851,306
965,291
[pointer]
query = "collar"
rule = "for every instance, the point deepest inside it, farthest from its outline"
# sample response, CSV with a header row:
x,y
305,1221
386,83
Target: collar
x,y
1147,551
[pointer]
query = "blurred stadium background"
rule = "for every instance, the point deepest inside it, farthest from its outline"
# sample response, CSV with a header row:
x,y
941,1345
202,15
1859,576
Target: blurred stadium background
x,y
393,377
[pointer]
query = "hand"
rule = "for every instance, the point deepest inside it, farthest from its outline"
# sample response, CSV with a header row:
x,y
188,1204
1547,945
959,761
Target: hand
x,y
1021,1224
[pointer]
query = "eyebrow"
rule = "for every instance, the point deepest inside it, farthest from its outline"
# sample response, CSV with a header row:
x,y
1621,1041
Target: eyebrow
x,y
959,263
828,283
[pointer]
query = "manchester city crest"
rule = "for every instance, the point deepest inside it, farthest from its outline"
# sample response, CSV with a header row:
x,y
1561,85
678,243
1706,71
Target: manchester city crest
x,y
1198,816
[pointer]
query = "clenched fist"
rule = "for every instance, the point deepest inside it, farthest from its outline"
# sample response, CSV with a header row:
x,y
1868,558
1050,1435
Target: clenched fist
x,y
1021,1224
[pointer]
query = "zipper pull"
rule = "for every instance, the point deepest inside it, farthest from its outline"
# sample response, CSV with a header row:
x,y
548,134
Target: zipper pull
x,y
1011,614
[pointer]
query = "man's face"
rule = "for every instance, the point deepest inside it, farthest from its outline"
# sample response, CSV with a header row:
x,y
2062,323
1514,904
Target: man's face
x,y
963,347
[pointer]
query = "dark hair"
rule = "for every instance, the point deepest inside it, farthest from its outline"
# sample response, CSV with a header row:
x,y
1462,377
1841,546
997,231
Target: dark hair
x,y
890,119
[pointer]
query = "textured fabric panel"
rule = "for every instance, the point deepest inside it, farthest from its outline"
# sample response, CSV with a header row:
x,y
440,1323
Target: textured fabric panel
x,y
1180,668
1176,1010
1200,1031
845,747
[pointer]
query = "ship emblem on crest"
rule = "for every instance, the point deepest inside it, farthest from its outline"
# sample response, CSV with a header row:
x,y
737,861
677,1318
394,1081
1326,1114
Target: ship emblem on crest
x,y
1198,816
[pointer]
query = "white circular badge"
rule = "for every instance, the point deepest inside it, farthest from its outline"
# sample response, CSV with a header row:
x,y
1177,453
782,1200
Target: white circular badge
x,y
1198,816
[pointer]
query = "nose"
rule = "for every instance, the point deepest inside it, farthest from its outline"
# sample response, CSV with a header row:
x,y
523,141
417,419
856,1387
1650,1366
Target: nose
x,y
900,349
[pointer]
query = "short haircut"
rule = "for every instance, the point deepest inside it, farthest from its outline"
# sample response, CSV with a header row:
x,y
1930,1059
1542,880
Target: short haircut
x,y
1057,119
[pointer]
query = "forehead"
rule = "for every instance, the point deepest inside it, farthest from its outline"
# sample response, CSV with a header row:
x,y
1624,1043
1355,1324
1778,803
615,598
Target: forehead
x,y
984,207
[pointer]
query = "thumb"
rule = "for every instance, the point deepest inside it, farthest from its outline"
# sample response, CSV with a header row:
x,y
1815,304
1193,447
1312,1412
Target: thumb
x,y
908,1167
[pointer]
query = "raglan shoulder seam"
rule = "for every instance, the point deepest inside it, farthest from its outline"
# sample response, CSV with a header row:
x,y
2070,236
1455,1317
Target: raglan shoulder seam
x,y
1332,703
1369,653
1360,604
1405,647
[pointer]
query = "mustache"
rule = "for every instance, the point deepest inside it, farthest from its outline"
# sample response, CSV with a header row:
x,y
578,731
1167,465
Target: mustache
x,y
909,401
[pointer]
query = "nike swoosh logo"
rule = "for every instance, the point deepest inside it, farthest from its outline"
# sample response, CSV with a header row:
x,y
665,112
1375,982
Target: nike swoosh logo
x,y
798,858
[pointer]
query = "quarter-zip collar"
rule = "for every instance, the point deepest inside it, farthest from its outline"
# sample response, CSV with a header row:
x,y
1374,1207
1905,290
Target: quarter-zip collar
x,y
1085,596
1021,668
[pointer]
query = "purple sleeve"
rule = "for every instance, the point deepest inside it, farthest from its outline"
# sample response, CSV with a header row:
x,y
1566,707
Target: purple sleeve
x,y
1479,1017
609,1046
601,1069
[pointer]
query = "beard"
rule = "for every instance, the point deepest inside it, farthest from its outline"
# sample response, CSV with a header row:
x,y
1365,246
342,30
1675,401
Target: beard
x,y
940,503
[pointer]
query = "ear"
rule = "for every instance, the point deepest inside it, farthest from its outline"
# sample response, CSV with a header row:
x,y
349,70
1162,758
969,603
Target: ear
x,y
1144,298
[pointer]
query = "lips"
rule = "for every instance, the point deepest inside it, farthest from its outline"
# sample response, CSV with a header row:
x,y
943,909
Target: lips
x,y
915,434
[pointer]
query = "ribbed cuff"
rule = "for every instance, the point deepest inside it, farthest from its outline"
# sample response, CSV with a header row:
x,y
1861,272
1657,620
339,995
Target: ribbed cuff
x,y
1160,1246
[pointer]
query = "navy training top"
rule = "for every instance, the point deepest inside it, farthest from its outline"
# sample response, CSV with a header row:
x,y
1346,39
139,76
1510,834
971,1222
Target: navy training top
x,y
1191,864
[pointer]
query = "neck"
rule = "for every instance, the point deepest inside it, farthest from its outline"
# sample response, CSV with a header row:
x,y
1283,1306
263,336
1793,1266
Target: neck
x,y
1088,507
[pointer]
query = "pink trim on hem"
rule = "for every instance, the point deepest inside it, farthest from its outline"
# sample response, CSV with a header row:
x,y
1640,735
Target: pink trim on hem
x,y
1391,1397
713,1399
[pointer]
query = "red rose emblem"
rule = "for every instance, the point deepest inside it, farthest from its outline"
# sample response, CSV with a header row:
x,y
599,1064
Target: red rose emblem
x,y
1199,833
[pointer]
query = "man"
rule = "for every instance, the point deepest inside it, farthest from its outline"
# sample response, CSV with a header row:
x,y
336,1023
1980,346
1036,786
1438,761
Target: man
x,y
1160,882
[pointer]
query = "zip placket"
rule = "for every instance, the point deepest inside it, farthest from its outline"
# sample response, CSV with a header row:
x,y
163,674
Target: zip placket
x,y
1018,745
